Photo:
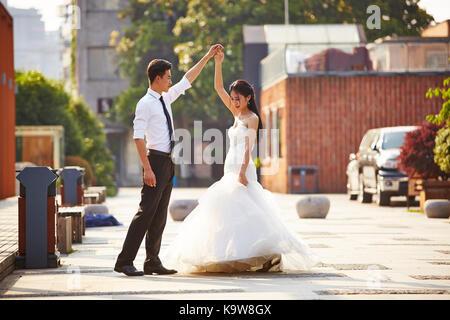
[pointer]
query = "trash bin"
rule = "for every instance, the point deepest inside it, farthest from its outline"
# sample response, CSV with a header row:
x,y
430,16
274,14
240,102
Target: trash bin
x,y
297,177
72,186
37,218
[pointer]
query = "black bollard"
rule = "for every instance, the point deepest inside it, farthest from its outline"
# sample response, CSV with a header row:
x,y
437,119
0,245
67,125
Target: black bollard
x,y
36,181
72,186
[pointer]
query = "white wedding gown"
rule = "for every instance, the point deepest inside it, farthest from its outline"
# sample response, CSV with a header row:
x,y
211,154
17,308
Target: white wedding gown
x,y
236,228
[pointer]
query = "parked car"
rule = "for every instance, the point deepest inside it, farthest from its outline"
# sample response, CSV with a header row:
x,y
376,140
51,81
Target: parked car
x,y
373,170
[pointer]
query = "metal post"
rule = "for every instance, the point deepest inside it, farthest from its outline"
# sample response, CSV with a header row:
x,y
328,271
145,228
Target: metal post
x,y
286,11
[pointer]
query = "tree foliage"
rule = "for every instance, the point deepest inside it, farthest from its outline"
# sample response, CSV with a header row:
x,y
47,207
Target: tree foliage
x,y
182,31
444,93
442,149
42,101
94,144
416,156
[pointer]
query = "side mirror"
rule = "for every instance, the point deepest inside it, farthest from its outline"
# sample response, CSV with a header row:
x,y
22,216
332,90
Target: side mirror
x,y
352,157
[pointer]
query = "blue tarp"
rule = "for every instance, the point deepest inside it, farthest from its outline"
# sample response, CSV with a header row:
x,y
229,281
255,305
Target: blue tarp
x,y
100,220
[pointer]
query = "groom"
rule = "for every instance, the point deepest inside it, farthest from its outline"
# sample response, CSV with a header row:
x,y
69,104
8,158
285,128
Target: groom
x,y
153,119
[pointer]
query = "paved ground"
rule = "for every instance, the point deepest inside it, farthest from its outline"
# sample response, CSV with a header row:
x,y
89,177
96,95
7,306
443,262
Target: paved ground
x,y
367,252
8,235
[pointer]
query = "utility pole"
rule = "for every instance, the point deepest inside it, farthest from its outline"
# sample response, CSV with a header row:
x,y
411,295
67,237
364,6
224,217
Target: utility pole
x,y
286,11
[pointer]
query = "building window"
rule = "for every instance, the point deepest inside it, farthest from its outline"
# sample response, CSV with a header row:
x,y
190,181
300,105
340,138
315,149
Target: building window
x,y
277,135
103,5
102,64
436,60
104,105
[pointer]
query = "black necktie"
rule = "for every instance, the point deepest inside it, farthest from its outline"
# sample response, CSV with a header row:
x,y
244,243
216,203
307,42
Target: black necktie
x,y
169,123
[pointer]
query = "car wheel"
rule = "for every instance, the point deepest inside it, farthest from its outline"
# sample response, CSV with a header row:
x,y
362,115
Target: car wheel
x,y
349,191
411,199
383,199
363,196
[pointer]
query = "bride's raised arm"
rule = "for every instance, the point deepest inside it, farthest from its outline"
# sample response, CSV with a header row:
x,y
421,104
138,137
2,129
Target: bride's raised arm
x,y
218,83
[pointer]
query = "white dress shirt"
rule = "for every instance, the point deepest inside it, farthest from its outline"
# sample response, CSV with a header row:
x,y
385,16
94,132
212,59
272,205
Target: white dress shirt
x,y
149,119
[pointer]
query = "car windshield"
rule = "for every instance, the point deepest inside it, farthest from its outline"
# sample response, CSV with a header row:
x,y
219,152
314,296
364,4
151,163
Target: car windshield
x,y
393,140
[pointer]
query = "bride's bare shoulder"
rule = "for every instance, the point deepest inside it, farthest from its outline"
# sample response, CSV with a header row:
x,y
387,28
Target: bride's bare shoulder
x,y
252,119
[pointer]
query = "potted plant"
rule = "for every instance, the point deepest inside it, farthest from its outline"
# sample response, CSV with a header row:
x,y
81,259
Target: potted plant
x,y
417,160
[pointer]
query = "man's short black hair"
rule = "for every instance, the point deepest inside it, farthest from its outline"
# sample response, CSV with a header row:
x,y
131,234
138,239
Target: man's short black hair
x,y
157,67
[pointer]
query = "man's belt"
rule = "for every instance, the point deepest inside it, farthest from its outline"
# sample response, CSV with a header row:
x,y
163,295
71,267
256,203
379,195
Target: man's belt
x,y
158,153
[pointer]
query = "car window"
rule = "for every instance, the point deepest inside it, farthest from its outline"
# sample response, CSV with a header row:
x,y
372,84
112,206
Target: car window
x,y
393,140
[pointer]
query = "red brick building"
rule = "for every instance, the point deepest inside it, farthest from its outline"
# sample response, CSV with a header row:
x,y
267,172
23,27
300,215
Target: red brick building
x,y
322,118
7,106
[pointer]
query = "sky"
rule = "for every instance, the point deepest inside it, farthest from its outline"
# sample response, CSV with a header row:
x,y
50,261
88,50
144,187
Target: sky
x,y
439,9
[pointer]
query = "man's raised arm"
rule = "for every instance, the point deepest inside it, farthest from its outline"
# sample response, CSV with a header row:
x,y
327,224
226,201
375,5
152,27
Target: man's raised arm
x,y
176,90
193,73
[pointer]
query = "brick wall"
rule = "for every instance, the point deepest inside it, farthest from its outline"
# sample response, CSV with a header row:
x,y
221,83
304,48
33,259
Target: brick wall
x,y
7,107
324,118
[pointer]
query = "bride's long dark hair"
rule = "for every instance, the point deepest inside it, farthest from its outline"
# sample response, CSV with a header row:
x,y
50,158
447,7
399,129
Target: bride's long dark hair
x,y
244,88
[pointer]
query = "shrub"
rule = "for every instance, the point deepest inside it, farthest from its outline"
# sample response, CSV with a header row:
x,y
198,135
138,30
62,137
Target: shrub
x,y
416,156
94,144
442,149
442,141
42,101
89,176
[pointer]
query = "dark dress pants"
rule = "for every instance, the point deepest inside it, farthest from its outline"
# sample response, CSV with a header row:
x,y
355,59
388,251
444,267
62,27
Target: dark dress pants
x,y
151,217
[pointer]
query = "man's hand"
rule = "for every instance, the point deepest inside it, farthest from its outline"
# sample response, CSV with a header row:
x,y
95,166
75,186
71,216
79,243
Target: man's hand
x,y
149,178
193,73
213,50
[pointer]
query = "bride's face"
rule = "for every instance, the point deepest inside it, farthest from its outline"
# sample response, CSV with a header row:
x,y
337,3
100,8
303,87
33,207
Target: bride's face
x,y
239,101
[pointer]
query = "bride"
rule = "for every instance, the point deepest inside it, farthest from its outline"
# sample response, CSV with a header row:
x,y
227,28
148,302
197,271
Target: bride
x,y
236,226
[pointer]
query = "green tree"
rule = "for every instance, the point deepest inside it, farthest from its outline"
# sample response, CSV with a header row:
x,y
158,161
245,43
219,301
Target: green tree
x,y
94,144
442,149
400,17
444,93
181,32
42,101
149,37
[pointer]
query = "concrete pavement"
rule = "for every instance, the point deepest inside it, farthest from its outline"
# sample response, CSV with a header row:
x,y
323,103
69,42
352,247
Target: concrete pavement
x,y
367,252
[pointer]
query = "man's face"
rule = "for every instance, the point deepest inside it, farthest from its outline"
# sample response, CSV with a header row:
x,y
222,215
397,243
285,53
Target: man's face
x,y
165,81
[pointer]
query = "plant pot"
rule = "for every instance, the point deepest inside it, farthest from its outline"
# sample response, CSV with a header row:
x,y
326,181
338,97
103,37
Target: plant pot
x,y
433,189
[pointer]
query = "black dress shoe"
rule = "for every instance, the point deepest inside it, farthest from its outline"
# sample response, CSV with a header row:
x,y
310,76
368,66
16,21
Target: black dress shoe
x,y
129,271
158,270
